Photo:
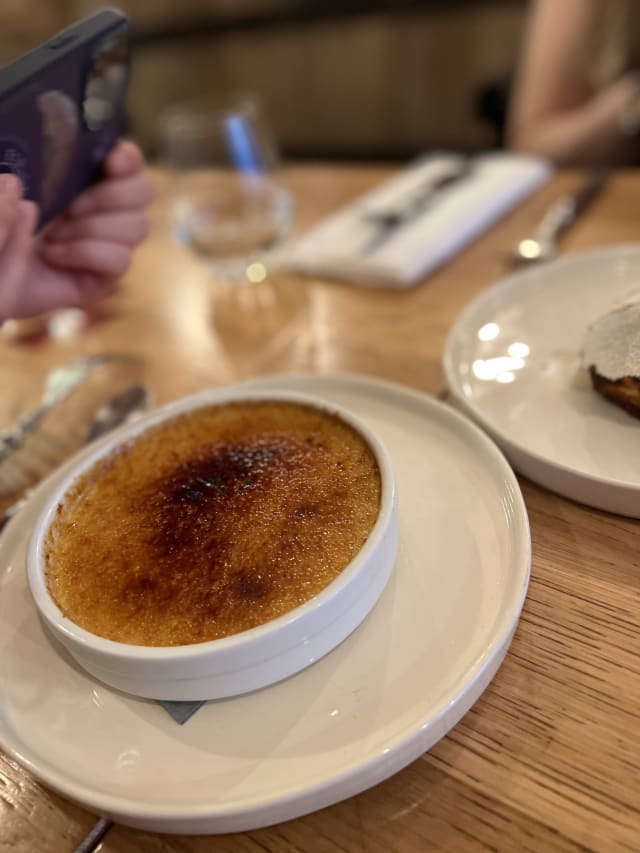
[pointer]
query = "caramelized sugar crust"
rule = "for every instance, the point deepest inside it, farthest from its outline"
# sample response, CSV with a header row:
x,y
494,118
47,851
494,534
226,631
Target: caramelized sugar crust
x,y
212,523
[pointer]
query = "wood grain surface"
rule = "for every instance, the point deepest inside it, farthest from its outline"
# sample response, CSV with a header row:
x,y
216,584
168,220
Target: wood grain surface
x,y
549,757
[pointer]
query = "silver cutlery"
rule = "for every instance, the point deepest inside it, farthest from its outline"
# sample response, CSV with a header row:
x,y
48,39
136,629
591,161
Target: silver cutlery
x,y
60,382
121,408
92,839
388,222
542,244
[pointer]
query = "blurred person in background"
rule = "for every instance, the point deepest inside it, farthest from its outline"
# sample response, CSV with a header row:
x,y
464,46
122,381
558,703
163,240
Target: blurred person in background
x,y
576,95
81,255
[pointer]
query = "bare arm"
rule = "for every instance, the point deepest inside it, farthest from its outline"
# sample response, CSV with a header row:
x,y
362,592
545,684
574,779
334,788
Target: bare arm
x,y
554,111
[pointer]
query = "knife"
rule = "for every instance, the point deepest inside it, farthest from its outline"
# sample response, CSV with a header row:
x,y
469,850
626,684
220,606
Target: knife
x,y
60,382
388,222
120,408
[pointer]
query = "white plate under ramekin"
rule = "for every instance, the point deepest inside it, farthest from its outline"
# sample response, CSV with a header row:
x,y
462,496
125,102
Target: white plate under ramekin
x,y
250,659
390,691
513,361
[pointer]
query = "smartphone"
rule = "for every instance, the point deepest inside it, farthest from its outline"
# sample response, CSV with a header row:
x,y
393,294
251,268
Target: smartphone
x,y
62,110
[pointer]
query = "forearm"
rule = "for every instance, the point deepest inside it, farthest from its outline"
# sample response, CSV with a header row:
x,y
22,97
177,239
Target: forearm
x,y
589,133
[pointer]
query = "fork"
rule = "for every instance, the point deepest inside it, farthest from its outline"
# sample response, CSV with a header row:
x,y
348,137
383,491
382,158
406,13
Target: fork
x,y
60,382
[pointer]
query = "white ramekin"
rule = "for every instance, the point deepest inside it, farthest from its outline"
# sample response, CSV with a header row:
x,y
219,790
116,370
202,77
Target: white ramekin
x,y
250,659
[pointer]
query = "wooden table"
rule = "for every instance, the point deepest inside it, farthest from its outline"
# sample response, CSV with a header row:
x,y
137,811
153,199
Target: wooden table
x,y
549,757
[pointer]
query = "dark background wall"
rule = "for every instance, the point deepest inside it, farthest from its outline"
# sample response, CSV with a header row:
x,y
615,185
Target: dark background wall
x,y
350,79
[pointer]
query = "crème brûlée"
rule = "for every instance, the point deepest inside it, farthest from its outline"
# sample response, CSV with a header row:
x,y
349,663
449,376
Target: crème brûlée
x,y
213,522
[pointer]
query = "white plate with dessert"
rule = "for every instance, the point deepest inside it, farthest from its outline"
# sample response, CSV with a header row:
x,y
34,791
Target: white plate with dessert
x,y
547,361
385,694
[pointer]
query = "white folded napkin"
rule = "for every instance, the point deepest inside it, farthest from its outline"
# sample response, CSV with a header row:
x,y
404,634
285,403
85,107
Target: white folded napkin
x,y
344,245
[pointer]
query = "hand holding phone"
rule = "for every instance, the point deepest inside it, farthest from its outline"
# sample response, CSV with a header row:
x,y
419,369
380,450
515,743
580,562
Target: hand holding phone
x,y
61,110
81,256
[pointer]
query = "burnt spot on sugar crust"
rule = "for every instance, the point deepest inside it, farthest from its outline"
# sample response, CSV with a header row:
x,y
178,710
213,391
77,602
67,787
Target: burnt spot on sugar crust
x,y
198,503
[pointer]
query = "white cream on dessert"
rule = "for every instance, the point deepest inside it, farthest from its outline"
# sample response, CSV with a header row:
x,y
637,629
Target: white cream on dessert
x,y
612,345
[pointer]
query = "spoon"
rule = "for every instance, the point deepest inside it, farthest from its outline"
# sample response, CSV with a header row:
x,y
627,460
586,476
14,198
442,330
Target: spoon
x,y
542,244
123,407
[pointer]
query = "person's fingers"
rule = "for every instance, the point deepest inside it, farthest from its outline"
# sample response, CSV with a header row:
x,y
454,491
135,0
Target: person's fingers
x,y
124,160
10,186
92,287
10,191
15,258
131,193
129,229
48,287
92,256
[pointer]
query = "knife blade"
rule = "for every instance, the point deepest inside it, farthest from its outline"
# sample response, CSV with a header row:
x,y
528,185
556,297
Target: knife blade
x,y
120,408
60,383
388,222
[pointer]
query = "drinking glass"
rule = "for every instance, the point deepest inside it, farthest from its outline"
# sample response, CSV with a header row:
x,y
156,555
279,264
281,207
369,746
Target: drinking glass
x,y
230,205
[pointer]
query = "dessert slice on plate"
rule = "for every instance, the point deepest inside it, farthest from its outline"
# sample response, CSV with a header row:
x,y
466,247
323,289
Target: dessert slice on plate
x,y
612,356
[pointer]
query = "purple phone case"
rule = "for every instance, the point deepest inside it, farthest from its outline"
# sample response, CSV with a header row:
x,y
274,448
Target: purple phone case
x,y
46,136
